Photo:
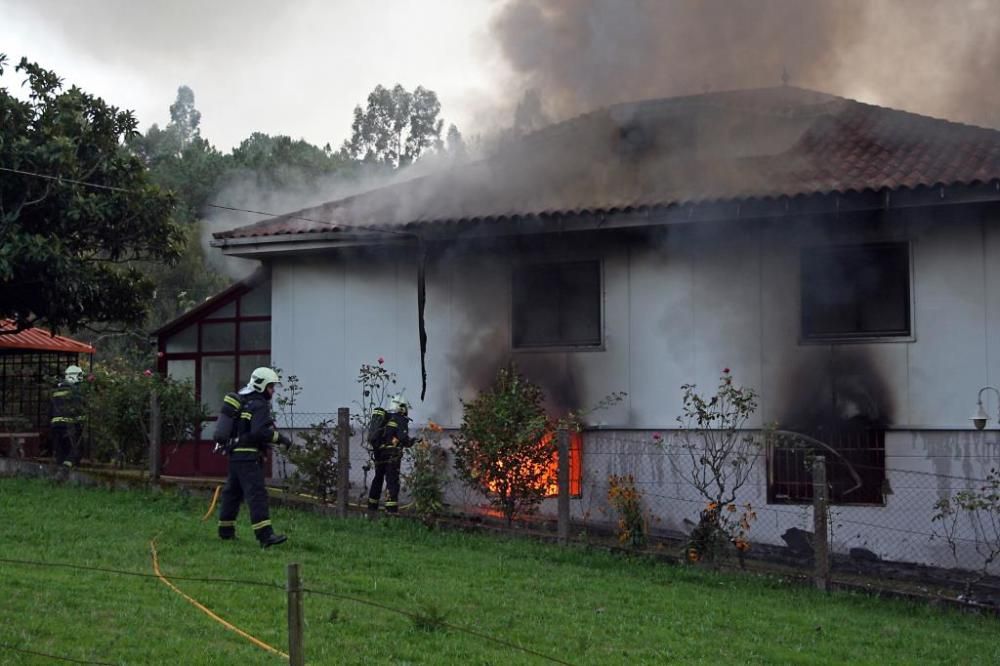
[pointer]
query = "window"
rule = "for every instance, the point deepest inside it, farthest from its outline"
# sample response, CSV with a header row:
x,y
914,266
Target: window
x,y
856,291
855,469
557,305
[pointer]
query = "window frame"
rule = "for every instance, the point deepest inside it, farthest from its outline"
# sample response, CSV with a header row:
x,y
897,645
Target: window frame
x,y
558,346
806,338
799,474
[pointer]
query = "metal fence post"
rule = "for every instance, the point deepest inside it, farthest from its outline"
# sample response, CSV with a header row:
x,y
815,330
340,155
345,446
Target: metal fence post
x,y
821,532
562,477
296,653
154,435
343,459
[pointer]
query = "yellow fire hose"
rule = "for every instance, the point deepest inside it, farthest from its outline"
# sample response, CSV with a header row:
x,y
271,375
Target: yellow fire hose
x,y
256,641
211,507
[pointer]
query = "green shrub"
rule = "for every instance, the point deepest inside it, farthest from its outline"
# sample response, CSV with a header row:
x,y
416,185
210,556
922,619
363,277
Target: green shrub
x,y
501,449
117,408
428,475
315,459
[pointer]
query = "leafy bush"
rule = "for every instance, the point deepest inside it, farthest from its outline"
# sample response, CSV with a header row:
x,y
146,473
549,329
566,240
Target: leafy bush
x,y
117,408
429,473
501,450
626,500
315,460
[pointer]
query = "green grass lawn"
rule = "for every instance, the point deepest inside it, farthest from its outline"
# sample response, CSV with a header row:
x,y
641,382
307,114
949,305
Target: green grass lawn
x,y
582,607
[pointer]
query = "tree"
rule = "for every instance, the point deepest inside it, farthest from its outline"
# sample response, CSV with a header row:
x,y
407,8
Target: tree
x,y
396,127
69,251
503,449
280,160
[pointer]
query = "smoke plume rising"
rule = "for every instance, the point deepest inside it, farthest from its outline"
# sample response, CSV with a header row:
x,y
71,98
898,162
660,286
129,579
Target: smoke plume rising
x,y
930,57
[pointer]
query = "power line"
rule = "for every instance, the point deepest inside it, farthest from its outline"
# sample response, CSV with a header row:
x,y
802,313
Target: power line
x,y
472,632
136,574
4,646
122,190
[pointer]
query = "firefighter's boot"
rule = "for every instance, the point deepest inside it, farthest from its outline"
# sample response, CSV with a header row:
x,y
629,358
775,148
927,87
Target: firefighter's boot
x,y
272,539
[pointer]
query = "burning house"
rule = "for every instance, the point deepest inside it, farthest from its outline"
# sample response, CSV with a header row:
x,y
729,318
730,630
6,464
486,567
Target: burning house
x,y
838,257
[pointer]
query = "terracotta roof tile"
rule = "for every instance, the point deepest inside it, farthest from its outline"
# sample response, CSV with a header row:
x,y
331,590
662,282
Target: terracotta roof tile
x,y
39,339
751,144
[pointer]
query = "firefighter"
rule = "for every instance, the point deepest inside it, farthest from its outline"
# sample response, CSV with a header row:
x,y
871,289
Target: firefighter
x,y
388,442
245,480
67,418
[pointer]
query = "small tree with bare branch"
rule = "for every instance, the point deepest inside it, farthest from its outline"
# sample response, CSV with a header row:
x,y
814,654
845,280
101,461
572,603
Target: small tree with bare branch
x,y
979,510
721,456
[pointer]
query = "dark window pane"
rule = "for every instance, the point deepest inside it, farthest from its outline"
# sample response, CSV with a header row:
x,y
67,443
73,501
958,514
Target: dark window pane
x,y
257,303
184,341
218,377
182,370
218,337
249,363
557,304
227,311
255,335
856,291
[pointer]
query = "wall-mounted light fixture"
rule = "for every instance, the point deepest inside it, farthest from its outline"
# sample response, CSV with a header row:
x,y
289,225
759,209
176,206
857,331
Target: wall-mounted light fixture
x,y
980,418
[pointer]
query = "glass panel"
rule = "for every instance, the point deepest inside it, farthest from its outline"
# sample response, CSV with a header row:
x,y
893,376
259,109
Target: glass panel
x,y
184,341
248,362
255,335
257,303
182,371
217,379
227,310
218,337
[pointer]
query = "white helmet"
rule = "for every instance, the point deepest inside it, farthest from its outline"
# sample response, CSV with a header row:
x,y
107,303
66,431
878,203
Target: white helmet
x,y
73,374
260,378
399,403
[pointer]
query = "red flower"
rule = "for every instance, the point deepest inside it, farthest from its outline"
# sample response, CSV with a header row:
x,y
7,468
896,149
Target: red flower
x,y
725,371
381,360
90,378
148,373
657,436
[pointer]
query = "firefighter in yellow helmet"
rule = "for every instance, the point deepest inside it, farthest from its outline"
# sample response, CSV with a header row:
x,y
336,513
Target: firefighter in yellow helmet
x,y
245,480
66,422
388,439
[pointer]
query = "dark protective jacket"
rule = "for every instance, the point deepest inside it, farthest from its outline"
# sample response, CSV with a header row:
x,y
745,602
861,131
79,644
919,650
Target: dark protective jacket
x,y
257,432
66,405
395,436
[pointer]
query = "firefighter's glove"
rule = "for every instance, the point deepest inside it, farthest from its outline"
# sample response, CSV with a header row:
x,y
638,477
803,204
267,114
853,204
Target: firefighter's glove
x,y
285,442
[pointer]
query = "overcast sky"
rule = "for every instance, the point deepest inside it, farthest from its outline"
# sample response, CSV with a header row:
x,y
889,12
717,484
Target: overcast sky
x,y
299,67
295,68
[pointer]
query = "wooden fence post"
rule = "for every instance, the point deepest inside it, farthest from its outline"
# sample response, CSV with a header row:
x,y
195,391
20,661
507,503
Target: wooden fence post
x,y
343,459
296,654
562,476
821,530
154,435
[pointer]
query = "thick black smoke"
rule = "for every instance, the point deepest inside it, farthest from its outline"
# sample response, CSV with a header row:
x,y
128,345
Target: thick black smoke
x,y
927,56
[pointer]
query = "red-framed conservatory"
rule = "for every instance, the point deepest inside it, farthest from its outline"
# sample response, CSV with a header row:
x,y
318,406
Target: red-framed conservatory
x,y
215,346
32,362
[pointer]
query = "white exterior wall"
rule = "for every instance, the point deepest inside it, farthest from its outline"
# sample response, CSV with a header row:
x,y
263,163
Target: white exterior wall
x,y
678,311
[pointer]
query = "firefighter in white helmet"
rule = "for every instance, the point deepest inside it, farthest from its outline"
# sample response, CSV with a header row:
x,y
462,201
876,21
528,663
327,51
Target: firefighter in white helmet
x,y
388,440
245,480
66,422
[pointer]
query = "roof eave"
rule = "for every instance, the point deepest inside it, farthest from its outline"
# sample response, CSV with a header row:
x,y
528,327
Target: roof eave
x,y
746,208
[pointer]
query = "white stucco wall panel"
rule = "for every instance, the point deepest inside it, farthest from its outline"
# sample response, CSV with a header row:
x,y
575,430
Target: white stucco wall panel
x,y
947,360
662,334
